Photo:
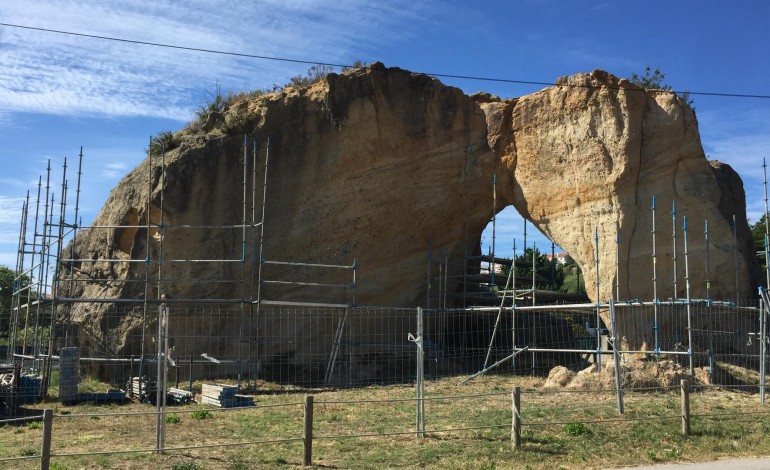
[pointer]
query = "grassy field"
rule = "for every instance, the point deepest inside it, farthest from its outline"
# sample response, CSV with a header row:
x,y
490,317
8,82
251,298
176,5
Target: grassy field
x,y
561,430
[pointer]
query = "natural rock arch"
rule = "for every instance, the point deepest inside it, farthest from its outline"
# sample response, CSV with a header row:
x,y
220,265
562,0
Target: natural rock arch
x,y
377,163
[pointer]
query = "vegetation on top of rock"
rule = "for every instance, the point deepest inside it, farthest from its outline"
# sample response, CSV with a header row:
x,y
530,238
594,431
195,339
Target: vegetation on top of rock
x,y
653,80
160,143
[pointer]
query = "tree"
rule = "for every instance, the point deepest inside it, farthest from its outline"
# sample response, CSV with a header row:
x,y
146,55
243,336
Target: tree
x,y
547,275
653,80
758,235
7,288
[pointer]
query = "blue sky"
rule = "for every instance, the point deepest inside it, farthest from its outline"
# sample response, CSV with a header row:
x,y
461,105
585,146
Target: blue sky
x,y
58,93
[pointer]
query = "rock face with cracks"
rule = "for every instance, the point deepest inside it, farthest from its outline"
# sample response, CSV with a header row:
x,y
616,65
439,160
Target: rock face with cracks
x,y
376,165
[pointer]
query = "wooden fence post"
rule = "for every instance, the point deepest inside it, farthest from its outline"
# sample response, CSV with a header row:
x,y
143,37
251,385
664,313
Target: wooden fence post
x,y
45,453
685,385
308,431
516,412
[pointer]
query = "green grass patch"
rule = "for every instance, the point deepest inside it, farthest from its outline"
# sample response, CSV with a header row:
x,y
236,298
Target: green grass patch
x,y
462,432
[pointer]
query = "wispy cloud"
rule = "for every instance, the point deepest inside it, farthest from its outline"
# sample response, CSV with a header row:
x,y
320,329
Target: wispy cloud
x,y
58,74
10,210
114,170
742,142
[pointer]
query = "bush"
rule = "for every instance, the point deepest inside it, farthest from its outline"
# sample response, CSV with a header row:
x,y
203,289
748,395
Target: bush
x,y
577,429
164,141
202,414
173,419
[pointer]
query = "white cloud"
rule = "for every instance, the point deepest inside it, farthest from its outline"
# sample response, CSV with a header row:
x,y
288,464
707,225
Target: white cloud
x,y
114,170
740,137
10,210
67,75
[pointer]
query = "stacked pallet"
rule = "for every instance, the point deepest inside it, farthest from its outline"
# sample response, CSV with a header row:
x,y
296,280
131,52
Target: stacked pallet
x,y
9,392
178,396
69,374
224,396
143,390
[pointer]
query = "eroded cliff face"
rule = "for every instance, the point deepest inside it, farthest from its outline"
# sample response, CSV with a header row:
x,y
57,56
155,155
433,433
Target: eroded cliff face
x,y
375,165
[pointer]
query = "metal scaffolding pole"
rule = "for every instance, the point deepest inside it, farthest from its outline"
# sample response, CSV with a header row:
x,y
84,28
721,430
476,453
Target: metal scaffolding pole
x,y
494,221
262,230
499,316
617,262
673,238
13,315
767,228
534,271
146,296
735,260
598,303
687,286
655,279
47,365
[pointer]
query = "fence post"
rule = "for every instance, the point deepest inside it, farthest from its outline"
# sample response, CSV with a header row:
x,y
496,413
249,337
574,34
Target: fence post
x,y
308,431
685,386
45,453
516,418
616,355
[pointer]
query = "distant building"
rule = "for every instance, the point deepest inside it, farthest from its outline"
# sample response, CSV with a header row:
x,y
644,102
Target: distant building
x,y
561,258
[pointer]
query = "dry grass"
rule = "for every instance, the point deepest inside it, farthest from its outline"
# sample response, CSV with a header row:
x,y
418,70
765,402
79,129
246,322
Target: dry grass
x,y
741,429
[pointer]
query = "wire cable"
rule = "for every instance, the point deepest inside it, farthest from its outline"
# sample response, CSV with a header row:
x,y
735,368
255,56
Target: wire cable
x,y
329,64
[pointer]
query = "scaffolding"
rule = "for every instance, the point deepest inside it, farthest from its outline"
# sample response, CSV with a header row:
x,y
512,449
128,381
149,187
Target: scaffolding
x,y
49,283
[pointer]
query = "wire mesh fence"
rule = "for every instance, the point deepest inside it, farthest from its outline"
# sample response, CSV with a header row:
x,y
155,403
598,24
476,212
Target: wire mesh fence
x,y
656,344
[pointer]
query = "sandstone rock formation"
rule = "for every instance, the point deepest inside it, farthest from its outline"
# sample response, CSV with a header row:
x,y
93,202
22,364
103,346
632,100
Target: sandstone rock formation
x,y
376,164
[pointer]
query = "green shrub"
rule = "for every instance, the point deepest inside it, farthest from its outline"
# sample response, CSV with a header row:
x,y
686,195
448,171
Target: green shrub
x,y
202,414
163,141
173,419
577,429
34,425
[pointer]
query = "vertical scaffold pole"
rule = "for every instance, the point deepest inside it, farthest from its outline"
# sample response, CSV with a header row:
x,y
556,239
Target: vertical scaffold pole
x,y
13,315
161,222
708,262
76,223
262,230
160,383
735,260
655,279
494,222
534,271
763,311
616,355
513,305
767,228
617,262
708,301
48,364
687,287
673,238
44,253
241,339
553,265
446,277
253,326
497,320
598,305
428,277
